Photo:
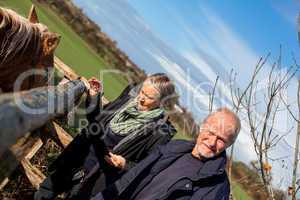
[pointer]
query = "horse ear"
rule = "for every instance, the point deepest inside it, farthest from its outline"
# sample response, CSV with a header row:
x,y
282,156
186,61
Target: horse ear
x,y
32,16
1,16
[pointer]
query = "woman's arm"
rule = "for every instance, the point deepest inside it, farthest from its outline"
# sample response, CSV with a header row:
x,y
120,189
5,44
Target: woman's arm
x,y
93,106
93,101
162,136
130,164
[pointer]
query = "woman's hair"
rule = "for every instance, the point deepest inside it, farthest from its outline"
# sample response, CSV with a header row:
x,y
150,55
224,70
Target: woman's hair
x,y
166,88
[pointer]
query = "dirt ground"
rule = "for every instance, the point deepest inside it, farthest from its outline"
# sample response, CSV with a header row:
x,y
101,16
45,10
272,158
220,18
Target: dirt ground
x,y
19,186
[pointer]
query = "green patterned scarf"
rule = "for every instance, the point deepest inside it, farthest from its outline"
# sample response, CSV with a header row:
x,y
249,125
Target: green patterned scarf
x,y
129,120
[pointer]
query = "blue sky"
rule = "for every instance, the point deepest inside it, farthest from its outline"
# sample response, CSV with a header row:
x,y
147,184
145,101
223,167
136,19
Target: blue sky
x,y
196,41
264,25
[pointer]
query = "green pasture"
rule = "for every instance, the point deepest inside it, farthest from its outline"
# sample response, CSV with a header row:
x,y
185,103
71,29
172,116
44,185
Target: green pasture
x,y
239,193
72,49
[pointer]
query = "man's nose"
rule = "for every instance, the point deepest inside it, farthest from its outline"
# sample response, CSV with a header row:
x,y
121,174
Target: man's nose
x,y
212,141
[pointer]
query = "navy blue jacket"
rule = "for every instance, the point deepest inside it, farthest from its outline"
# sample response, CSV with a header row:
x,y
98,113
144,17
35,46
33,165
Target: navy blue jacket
x,y
211,183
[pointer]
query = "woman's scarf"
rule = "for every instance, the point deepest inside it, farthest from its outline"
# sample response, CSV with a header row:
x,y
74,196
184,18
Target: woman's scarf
x,y
129,120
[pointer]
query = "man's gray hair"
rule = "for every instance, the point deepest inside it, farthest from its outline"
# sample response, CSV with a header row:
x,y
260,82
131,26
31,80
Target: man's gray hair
x,y
235,117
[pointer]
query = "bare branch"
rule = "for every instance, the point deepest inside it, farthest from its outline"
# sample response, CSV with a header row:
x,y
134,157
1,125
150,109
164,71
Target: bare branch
x,y
212,95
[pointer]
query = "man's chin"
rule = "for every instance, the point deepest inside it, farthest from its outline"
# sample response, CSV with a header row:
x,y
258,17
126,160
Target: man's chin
x,y
205,154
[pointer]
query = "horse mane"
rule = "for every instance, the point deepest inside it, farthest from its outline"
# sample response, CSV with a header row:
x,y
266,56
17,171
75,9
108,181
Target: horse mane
x,y
24,45
18,36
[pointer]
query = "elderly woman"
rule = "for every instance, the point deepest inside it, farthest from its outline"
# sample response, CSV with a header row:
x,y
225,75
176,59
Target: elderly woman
x,y
122,134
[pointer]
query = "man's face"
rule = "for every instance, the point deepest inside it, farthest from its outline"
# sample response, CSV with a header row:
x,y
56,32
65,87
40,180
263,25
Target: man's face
x,y
215,135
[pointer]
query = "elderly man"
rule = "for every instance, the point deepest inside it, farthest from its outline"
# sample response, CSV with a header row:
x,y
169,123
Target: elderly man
x,y
182,169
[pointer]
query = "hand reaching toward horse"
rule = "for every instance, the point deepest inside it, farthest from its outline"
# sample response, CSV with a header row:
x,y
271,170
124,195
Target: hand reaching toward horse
x,y
95,86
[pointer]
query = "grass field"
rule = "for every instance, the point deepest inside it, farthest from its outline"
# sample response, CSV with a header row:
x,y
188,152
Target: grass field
x,y
72,49
239,193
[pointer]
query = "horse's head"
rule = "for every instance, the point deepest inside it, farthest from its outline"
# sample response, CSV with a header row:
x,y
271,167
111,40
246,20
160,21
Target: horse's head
x,y
48,40
25,44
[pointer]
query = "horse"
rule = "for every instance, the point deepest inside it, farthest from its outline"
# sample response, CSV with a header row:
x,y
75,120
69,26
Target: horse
x,y
25,44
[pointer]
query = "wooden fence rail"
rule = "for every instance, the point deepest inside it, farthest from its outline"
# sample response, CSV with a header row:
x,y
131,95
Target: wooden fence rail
x,y
16,125
23,133
26,111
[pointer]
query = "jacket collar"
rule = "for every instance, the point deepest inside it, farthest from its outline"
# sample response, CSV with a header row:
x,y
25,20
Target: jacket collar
x,y
214,166
211,167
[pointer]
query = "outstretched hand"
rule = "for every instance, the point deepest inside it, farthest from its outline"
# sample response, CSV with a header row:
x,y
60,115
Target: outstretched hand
x,y
95,86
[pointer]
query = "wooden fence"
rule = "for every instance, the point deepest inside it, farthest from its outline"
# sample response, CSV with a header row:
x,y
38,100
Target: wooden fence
x,y
22,135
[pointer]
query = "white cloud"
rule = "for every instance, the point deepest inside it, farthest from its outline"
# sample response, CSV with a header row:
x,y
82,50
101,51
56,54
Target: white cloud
x,y
208,71
287,10
182,77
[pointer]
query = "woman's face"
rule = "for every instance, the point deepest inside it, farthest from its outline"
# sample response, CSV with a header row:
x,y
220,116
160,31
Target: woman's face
x,y
148,98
